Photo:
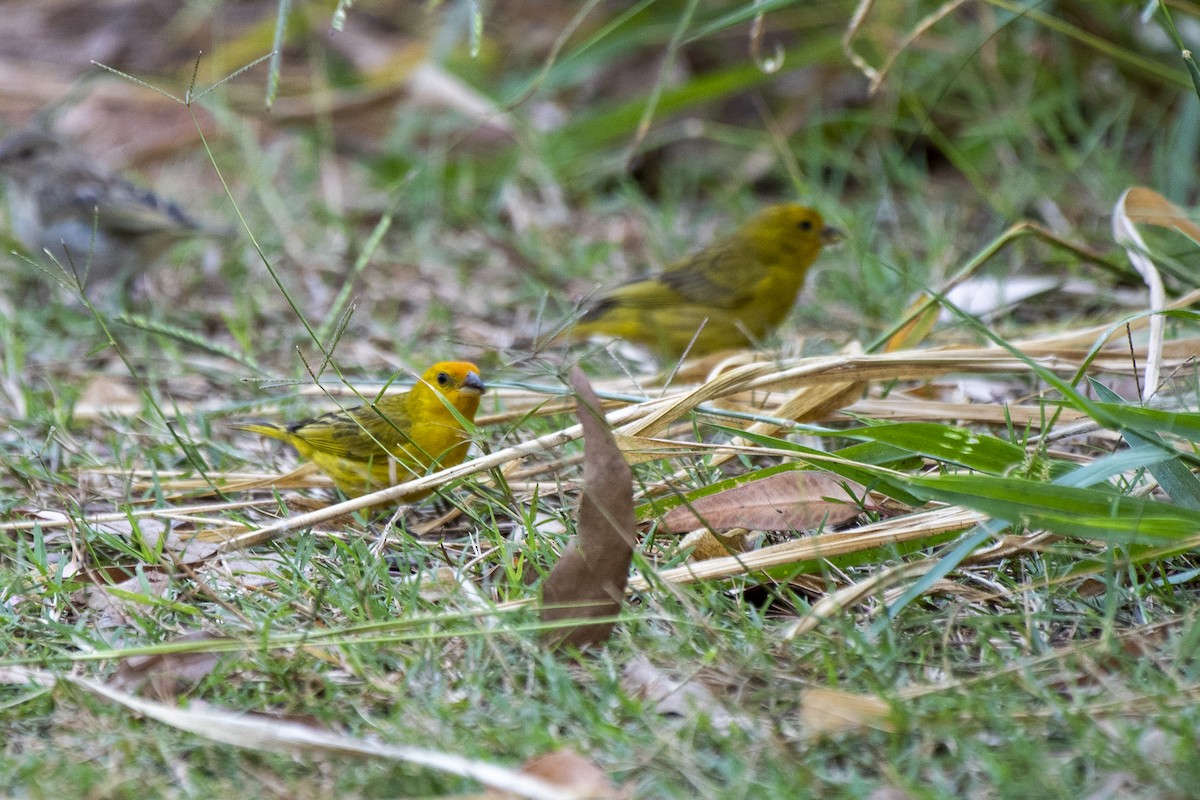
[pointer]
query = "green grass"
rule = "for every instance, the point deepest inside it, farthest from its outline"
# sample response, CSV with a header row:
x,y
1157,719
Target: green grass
x,y
1061,663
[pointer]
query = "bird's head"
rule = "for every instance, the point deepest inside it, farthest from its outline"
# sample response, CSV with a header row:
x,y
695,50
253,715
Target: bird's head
x,y
795,224
28,152
458,382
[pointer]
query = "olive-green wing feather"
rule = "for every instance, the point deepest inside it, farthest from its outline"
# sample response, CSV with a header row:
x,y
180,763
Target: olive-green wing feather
x,y
358,433
726,274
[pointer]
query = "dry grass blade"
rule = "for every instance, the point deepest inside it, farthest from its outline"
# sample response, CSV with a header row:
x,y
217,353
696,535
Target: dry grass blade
x,y
842,599
1141,205
827,545
48,520
589,579
901,408
809,404
264,733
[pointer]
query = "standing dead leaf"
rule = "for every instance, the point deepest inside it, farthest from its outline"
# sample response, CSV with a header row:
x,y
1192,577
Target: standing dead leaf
x,y
588,582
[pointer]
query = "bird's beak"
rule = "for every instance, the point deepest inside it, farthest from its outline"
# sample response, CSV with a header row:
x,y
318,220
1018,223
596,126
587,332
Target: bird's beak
x,y
474,383
831,235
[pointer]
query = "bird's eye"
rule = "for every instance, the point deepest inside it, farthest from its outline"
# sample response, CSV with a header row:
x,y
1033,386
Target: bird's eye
x,y
805,225
443,379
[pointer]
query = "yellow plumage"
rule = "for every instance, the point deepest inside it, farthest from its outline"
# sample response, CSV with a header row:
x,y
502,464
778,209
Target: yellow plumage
x,y
397,438
730,294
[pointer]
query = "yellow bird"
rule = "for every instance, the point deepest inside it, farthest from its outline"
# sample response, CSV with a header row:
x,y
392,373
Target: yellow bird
x,y
395,439
730,294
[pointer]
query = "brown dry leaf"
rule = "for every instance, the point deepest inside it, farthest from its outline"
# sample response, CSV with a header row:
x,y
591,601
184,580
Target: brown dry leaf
x,y
127,125
707,544
571,771
1148,207
827,711
168,675
796,500
589,579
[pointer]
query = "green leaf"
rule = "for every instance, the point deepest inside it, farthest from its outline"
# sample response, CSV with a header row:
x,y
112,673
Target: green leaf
x,y
948,443
1138,418
1180,484
1091,513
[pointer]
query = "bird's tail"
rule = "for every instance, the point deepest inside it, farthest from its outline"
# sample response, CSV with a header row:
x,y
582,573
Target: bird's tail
x,y
268,429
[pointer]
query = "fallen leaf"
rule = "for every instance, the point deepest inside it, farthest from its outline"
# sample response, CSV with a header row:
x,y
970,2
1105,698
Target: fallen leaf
x,y
1151,208
988,294
706,544
671,697
589,579
570,771
796,500
827,711
166,676
159,535
118,602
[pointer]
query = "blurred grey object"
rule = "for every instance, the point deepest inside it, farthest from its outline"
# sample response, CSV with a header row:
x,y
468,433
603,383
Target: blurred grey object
x,y
92,222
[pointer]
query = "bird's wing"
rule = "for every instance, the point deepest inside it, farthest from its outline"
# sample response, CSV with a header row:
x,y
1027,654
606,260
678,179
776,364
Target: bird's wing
x,y
355,434
645,293
127,208
325,434
701,279
388,422
120,207
709,278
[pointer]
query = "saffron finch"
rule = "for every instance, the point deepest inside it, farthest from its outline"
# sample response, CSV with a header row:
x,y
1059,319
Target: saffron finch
x,y
88,219
395,439
730,294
